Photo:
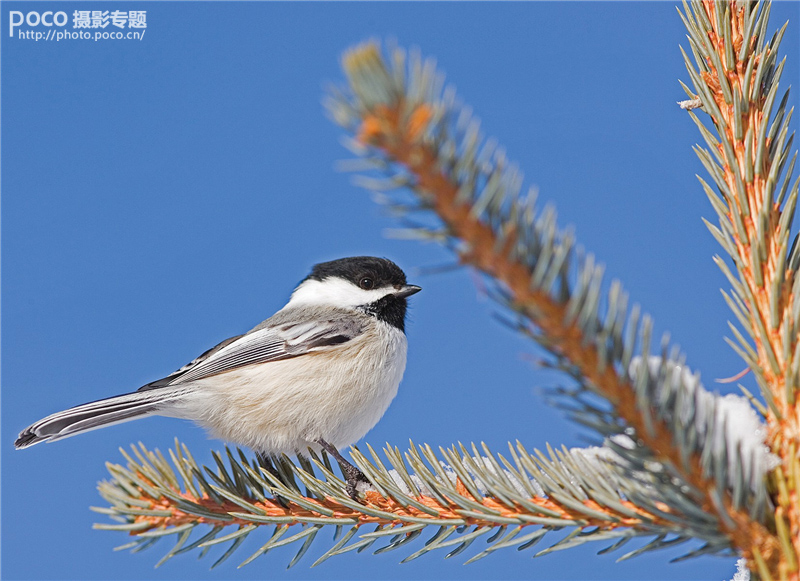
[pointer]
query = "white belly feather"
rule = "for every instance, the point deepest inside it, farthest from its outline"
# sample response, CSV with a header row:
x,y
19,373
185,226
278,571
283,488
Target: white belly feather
x,y
284,406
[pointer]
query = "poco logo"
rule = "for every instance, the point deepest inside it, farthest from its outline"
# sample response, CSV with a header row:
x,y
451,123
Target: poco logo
x,y
17,19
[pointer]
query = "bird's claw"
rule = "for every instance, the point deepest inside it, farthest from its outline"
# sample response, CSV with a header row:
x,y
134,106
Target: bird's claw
x,y
353,476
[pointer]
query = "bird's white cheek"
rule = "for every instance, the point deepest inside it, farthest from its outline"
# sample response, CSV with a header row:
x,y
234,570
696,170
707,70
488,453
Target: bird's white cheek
x,y
333,291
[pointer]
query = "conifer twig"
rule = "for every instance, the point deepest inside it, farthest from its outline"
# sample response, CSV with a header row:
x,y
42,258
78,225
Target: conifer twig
x,y
533,493
736,75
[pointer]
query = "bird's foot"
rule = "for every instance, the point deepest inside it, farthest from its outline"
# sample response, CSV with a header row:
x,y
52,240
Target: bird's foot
x,y
353,476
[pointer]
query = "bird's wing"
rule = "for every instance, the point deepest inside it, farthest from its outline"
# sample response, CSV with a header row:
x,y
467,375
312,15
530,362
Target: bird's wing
x,y
172,377
284,338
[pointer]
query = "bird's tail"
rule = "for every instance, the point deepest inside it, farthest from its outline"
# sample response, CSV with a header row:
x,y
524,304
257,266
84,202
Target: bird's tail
x,y
97,414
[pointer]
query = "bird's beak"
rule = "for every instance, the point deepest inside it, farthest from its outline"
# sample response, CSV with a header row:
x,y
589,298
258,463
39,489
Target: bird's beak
x,y
407,291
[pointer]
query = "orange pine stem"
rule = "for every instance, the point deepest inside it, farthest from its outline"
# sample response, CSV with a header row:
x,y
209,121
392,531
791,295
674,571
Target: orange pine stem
x,y
451,511
784,431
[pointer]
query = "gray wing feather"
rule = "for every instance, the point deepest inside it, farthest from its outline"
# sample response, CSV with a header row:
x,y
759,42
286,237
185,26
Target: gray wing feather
x,y
165,381
95,414
287,334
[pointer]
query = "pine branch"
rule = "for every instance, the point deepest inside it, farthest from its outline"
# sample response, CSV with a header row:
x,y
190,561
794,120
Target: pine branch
x,y
735,76
414,133
467,494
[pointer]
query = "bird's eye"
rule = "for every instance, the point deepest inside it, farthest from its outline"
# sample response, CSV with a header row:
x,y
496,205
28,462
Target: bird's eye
x,y
367,283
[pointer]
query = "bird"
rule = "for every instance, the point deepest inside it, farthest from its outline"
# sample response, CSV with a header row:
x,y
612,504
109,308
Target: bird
x,y
318,374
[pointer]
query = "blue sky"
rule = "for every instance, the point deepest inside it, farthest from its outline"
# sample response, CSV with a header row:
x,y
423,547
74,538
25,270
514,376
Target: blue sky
x,y
161,195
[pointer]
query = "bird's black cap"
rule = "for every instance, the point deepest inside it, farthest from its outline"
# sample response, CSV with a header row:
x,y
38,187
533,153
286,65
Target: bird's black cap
x,y
381,271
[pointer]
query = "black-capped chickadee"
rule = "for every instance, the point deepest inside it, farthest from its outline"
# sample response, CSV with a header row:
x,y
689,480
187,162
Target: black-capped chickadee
x,y
319,373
